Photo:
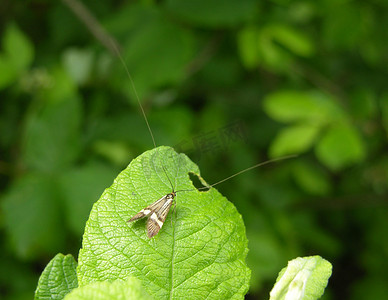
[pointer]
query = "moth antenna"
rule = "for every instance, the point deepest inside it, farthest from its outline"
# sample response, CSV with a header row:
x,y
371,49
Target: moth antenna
x,y
116,49
243,171
133,88
165,172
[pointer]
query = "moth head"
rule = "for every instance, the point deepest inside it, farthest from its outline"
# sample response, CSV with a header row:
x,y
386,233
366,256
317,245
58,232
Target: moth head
x,y
171,196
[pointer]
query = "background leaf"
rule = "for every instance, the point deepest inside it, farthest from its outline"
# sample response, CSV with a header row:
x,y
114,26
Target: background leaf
x,y
32,218
213,13
292,40
295,139
203,251
14,39
340,146
312,178
80,188
58,278
288,106
51,140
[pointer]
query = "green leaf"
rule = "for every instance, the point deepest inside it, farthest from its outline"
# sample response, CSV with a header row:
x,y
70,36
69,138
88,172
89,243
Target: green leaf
x,y
163,67
313,107
213,13
60,86
32,216
247,41
52,140
200,250
7,71
294,139
305,278
17,56
58,278
341,146
335,27
78,63
116,290
311,178
271,54
292,39
81,187
266,252
18,48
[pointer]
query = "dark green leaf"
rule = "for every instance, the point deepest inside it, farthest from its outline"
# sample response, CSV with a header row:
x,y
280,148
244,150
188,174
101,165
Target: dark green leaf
x,y
150,68
81,187
51,140
33,216
213,13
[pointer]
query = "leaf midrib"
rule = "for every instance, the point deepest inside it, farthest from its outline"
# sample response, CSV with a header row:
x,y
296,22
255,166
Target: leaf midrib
x,y
173,238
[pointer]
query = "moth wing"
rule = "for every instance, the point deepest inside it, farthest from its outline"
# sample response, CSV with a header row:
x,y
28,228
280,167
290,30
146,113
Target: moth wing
x,y
162,214
149,209
157,218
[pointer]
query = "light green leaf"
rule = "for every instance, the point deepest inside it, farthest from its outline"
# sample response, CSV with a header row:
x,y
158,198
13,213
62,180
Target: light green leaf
x,y
200,251
314,107
292,39
60,86
247,41
78,63
274,46
32,216
58,278
294,139
116,290
213,13
271,54
7,71
341,146
305,278
18,48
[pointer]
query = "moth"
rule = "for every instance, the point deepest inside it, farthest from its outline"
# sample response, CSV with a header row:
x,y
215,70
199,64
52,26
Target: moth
x,y
156,213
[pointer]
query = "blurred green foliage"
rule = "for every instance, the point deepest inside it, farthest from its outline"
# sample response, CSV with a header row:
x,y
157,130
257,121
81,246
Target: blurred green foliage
x,y
231,83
